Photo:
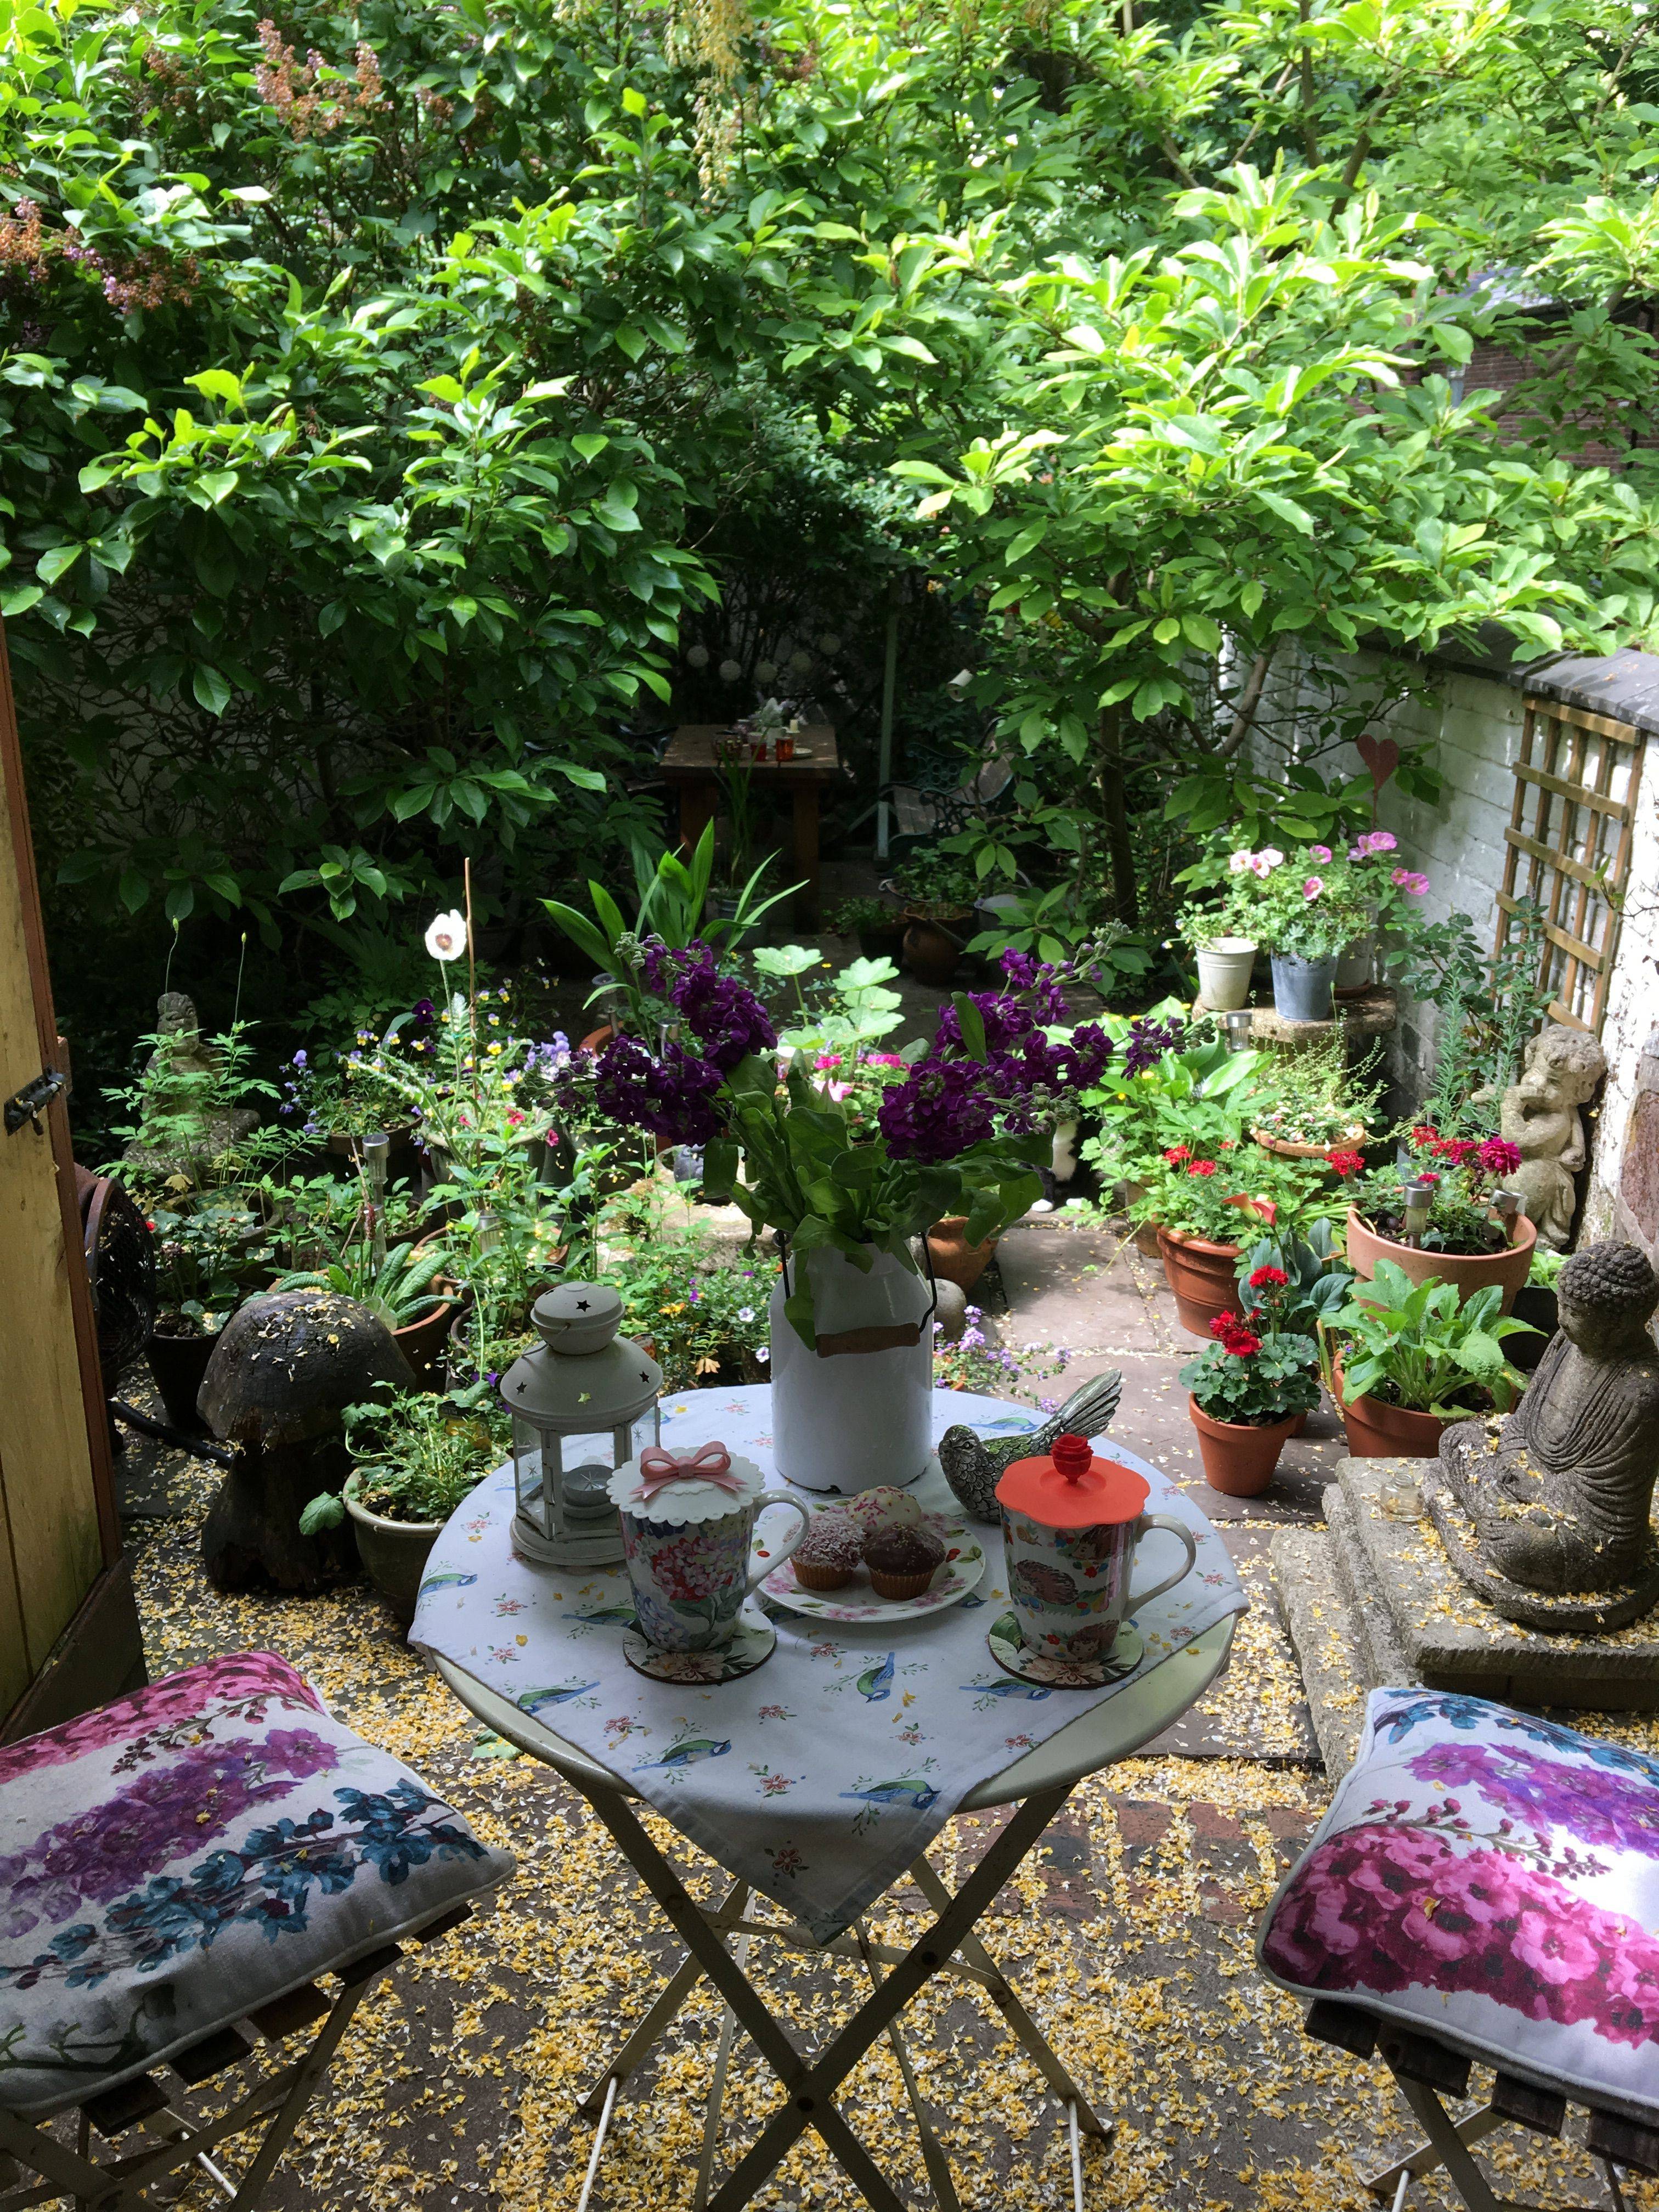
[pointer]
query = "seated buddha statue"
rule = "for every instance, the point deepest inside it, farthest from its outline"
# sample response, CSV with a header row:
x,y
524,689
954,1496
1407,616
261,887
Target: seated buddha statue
x,y
1560,1491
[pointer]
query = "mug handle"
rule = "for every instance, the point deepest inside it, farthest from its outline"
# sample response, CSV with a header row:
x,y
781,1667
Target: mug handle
x,y
781,1498
1138,1598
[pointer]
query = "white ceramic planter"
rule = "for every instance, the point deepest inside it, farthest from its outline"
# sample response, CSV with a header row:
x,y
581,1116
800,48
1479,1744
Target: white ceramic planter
x,y
1224,973
847,1421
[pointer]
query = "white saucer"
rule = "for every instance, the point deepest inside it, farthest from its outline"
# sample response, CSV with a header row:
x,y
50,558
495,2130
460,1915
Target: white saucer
x,y
1016,1658
752,1644
957,1574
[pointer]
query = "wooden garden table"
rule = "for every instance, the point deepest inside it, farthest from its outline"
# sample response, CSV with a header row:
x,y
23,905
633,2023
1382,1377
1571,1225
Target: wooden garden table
x,y
690,766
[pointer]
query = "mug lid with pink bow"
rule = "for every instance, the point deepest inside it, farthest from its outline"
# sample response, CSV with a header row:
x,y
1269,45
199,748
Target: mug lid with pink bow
x,y
704,1484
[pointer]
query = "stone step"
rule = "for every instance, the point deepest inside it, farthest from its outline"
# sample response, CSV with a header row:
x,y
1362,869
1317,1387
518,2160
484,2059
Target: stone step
x,y
1386,1662
1323,1626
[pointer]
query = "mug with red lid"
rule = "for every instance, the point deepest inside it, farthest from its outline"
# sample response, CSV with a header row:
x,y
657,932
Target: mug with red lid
x,y
1070,1527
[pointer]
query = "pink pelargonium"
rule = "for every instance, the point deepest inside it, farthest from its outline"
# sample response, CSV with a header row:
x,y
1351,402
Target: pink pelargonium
x,y
1378,841
1313,886
1321,854
1241,860
1271,856
1411,882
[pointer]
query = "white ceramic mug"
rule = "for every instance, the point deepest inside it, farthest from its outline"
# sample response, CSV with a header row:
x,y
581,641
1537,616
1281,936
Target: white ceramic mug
x,y
1070,1588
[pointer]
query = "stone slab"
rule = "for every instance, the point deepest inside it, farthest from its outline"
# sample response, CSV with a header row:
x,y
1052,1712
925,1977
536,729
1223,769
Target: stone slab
x,y
1325,1632
1386,1661
1586,1615
1451,1640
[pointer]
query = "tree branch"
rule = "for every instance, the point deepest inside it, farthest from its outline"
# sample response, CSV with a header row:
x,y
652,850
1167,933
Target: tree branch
x,y
1248,699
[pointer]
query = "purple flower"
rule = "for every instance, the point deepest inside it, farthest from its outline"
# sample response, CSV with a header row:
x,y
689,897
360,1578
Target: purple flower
x,y
939,1111
1006,1021
1147,1043
724,1016
672,1094
425,1014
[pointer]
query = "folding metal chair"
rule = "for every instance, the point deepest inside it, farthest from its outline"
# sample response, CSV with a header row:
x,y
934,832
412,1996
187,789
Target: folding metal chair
x,y
1427,2069
152,2121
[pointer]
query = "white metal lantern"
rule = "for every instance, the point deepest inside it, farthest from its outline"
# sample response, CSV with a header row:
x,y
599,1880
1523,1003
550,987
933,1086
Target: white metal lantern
x,y
583,1404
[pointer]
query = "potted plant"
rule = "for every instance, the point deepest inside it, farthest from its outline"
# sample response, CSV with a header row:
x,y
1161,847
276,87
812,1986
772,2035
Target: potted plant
x,y
1316,1105
1221,931
957,1131
406,1286
937,893
1205,1207
1536,1304
200,1246
1414,1357
878,925
1248,1391
1462,1241
1391,896
1306,907
418,1456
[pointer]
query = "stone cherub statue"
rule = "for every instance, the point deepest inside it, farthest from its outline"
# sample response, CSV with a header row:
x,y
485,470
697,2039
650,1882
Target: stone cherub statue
x,y
1559,1493
181,1127
1541,1114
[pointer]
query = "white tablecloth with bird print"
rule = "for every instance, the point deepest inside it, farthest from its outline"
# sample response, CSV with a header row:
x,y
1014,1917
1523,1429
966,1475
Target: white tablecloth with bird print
x,y
819,1778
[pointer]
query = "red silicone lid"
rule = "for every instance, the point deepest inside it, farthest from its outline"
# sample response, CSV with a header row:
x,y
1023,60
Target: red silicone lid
x,y
1074,1489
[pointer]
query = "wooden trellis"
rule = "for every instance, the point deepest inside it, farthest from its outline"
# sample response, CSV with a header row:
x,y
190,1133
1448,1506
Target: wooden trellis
x,y
1569,841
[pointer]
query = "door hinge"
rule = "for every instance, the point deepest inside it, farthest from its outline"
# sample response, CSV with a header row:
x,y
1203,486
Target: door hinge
x,y
29,1103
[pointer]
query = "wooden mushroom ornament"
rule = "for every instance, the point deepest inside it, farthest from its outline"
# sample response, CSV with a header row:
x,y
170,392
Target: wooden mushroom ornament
x,y
280,1377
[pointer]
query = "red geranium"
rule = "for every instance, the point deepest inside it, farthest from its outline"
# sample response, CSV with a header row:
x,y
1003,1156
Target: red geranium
x,y
1269,1278
1177,1153
1200,1167
1347,1163
1499,1157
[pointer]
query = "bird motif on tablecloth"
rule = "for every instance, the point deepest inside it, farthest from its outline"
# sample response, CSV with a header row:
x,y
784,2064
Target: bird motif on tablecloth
x,y
687,1754
877,1681
974,1466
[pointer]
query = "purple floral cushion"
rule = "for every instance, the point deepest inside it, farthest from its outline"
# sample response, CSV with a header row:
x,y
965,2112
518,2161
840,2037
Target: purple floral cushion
x,y
179,1857
1493,1879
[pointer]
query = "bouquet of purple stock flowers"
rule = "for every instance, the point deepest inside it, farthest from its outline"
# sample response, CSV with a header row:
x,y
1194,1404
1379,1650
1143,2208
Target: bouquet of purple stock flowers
x,y
960,1130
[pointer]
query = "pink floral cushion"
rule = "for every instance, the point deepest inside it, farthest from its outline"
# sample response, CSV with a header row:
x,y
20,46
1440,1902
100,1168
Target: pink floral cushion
x,y
1493,1879
177,1858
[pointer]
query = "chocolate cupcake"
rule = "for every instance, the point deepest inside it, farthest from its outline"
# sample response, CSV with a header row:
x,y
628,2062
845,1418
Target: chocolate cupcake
x,y
902,1561
828,1554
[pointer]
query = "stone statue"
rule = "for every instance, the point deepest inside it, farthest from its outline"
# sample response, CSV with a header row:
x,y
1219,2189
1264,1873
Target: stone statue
x,y
1541,1114
179,1079
1553,1503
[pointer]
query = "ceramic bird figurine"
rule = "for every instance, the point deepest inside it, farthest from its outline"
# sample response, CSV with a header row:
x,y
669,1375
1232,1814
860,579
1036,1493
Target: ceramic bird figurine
x,y
973,1466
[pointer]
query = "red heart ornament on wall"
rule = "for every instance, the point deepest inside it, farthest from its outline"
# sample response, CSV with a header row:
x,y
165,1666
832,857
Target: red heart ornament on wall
x,y
1380,755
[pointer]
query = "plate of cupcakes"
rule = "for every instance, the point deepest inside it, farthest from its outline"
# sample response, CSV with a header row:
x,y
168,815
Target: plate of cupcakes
x,y
878,1557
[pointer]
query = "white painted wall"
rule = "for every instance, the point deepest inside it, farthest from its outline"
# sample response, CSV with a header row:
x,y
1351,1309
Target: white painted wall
x,y
1473,723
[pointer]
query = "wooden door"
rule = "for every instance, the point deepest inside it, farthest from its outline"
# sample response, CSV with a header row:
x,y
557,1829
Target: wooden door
x,y
69,1632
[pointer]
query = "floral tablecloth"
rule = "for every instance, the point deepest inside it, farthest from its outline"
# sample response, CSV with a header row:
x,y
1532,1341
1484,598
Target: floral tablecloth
x,y
819,1778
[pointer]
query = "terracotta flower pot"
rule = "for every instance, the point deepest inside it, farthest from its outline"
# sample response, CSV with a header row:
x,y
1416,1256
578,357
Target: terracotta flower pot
x,y
1378,1430
394,1553
422,1342
955,1259
1287,1148
932,948
1238,1457
1202,1277
596,1040
1469,1271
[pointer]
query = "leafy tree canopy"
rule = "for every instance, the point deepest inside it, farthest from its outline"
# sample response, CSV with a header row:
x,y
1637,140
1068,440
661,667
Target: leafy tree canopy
x,y
388,394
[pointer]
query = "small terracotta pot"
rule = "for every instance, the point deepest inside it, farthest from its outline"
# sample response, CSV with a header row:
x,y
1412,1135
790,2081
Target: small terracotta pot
x,y
1378,1430
933,950
1469,1271
1202,1277
1239,1457
596,1040
954,1260
422,1342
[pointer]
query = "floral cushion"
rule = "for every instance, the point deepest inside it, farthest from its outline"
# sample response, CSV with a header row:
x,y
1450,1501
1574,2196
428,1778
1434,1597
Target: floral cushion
x,y
177,1858
1493,1879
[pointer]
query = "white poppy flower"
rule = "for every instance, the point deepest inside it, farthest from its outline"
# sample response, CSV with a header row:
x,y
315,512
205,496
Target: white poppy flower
x,y
446,938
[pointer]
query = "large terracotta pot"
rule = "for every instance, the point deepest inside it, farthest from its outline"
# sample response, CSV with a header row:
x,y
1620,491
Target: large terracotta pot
x,y
394,1553
1145,1235
1202,1277
954,1259
1239,1458
1377,1431
1469,1271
